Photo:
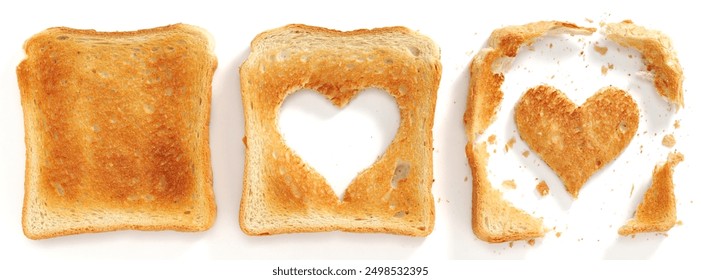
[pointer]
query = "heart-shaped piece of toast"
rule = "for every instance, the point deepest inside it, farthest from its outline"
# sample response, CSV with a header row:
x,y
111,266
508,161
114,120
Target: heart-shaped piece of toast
x,y
576,141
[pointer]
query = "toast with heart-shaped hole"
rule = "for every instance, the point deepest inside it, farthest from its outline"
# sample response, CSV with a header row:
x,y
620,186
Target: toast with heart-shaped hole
x,y
282,193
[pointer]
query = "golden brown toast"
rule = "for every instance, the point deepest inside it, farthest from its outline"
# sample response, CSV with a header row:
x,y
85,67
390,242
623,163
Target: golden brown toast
x,y
117,130
657,54
484,97
658,210
576,141
283,194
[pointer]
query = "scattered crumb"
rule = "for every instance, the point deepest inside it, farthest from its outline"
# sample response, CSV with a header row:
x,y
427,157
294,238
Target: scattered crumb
x,y
511,244
509,144
581,53
439,200
557,234
601,50
601,24
668,141
679,223
492,139
550,45
676,124
588,20
526,153
531,242
469,53
604,70
447,201
464,179
543,188
610,66
494,151
509,184
665,234
632,187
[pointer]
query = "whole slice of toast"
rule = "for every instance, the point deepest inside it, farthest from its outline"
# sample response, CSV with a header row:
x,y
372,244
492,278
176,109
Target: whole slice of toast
x,y
283,194
117,130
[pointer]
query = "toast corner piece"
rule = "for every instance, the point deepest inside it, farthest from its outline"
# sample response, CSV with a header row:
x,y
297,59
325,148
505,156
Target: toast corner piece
x,y
494,219
657,54
117,130
283,194
658,211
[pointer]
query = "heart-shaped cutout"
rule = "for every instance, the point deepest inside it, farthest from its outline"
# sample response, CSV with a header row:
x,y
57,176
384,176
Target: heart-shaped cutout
x,y
339,142
576,141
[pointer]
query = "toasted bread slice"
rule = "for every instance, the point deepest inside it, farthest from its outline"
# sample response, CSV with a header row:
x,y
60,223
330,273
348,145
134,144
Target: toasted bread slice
x,y
281,193
658,210
117,130
657,54
493,218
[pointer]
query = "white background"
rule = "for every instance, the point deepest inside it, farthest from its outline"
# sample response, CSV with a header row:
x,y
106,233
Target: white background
x,y
588,225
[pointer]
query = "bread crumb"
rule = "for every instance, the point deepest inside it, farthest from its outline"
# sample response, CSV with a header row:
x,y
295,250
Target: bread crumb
x,y
632,187
543,188
668,141
526,153
557,234
679,223
509,184
492,139
550,45
509,144
531,242
588,20
511,244
439,200
604,70
676,124
600,50
464,179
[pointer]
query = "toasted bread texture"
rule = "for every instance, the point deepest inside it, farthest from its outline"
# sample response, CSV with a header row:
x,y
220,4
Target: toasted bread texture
x,y
591,135
117,130
283,194
493,218
658,210
486,77
657,53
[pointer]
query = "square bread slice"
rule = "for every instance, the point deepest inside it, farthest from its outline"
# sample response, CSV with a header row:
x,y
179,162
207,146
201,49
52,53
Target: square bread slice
x,y
283,194
117,130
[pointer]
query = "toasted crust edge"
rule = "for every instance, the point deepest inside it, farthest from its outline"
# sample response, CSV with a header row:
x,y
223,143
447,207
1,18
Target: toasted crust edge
x,y
657,212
